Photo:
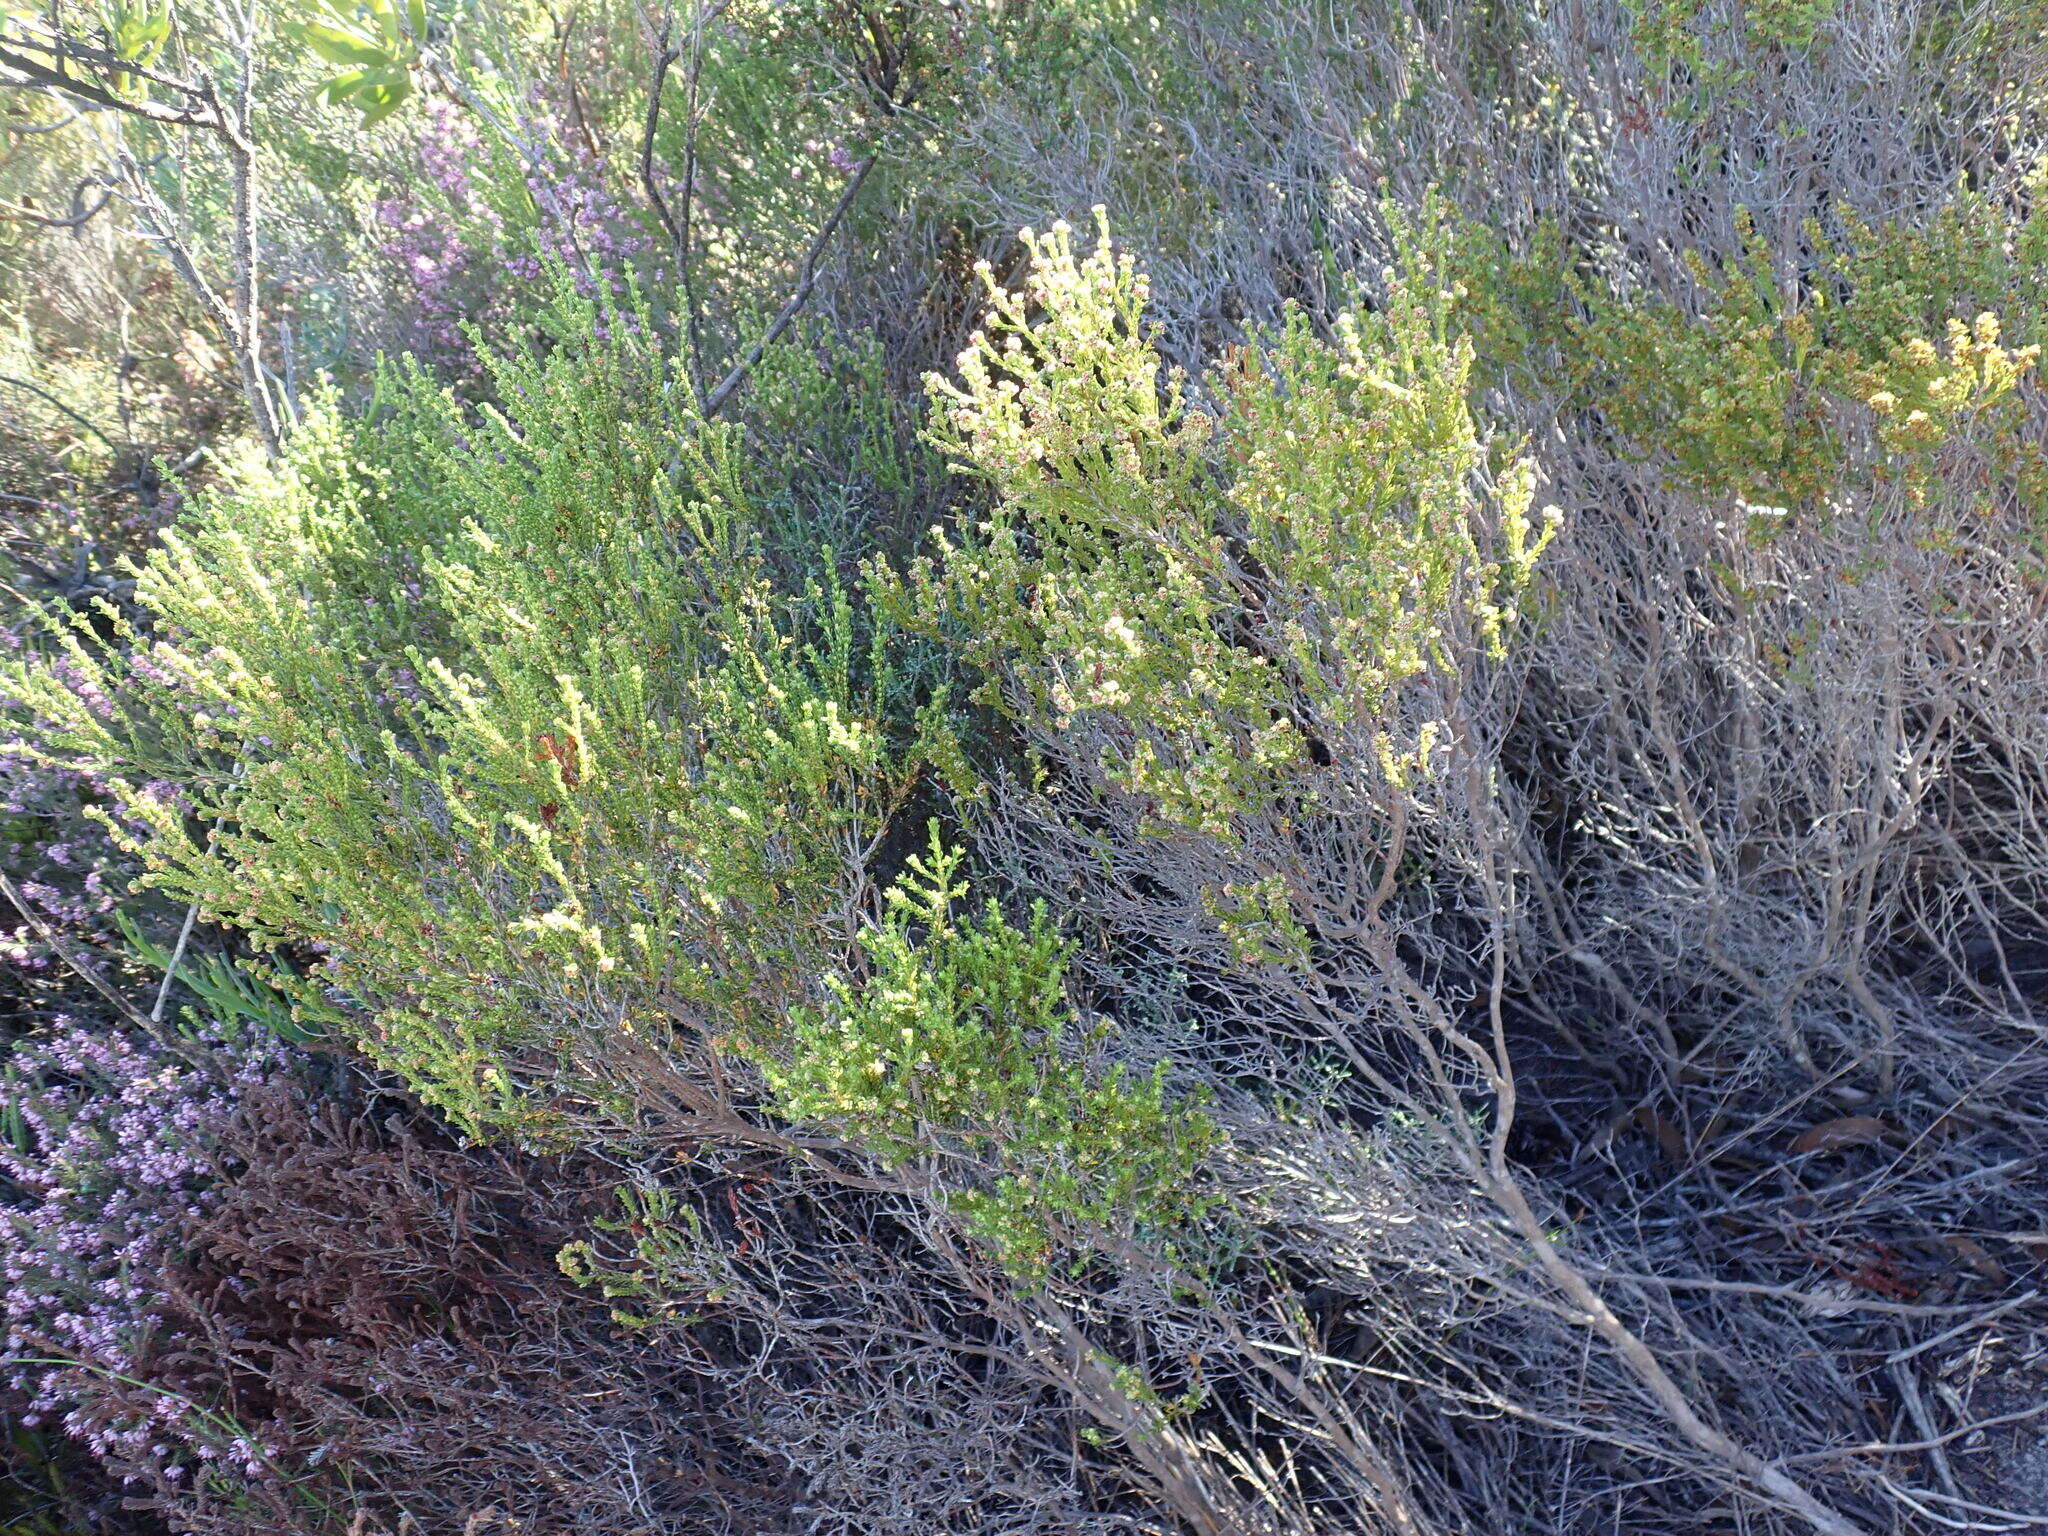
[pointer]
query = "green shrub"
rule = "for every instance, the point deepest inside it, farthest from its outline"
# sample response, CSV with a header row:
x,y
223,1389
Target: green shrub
x,y
1715,46
958,1049
501,710
1787,395
1214,590
504,712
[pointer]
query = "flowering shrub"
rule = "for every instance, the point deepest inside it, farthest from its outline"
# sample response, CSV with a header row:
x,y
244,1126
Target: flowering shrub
x,y
258,1307
112,1158
72,873
449,279
652,778
474,246
1788,395
567,849
60,858
1926,399
1231,596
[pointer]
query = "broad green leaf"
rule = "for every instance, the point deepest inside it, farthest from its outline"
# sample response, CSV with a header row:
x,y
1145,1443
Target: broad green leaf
x,y
337,46
395,98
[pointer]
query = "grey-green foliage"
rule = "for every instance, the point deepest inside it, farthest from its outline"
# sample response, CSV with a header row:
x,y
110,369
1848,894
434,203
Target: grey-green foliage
x,y
232,996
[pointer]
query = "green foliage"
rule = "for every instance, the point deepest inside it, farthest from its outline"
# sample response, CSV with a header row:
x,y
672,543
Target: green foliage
x,y
837,465
567,741
505,710
830,401
1925,399
673,1266
502,709
121,32
1787,394
1714,46
1729,396
233,996
377,46
137,34
1209,589
957,1050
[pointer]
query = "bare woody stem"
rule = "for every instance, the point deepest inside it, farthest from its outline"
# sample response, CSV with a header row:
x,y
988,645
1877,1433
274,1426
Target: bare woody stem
x,y
806,280
62,65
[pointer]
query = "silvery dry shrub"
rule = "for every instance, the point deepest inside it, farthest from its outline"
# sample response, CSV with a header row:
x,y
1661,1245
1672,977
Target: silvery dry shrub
x,y
1229,623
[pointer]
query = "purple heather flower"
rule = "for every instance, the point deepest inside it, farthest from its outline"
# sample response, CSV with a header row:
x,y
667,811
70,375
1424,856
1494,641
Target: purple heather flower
x,y
116,1156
